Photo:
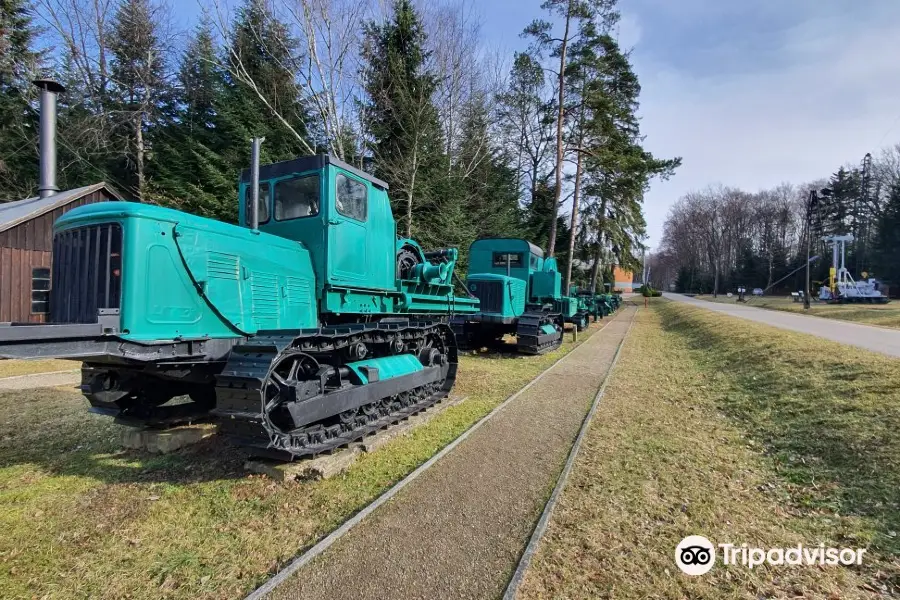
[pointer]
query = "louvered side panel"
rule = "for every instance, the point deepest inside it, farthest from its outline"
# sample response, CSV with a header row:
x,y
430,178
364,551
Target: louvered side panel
x,y
265,300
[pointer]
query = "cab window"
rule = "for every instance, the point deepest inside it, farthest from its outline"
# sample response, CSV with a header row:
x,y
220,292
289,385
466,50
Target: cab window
x,y
501,259
263,203
350,199
297,198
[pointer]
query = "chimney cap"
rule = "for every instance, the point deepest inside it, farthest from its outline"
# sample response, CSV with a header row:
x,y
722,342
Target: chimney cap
x,y
49,85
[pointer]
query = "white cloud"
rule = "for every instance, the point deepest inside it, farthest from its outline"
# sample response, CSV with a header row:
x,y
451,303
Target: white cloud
x,y
830,97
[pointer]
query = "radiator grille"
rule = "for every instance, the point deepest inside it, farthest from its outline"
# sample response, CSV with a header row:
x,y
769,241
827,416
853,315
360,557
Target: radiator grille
x,y
87,272
491,295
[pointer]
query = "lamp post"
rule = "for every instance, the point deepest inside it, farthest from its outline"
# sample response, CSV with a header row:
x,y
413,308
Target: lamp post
x,y
811,204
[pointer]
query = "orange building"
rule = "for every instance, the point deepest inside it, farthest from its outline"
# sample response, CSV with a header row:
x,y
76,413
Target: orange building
x,y
624,280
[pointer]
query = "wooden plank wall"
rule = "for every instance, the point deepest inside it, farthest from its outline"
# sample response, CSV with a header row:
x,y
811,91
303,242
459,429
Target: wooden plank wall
x,y
27,246
15,283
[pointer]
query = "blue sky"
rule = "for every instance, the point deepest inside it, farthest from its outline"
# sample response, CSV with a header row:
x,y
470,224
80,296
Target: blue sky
x,y
749,93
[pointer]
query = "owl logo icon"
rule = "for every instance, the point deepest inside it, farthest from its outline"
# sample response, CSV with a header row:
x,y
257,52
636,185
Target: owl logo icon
x,y
695,555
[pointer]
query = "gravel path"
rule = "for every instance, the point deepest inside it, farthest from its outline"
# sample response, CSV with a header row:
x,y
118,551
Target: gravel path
x,y
877,339
459,529
39,380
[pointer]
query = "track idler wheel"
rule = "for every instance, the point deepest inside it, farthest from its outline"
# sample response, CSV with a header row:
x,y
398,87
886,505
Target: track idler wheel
x,y
284,385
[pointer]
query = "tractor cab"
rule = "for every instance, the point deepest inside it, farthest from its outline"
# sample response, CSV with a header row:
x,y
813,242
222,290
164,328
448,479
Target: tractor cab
x,y
340,214
500,275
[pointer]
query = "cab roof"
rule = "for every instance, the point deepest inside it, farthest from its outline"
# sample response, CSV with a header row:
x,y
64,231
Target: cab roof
x,y
315,162
536,250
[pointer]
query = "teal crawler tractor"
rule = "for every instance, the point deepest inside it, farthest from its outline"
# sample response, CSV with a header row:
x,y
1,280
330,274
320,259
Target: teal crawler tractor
x,y
594,305
304,328
520,294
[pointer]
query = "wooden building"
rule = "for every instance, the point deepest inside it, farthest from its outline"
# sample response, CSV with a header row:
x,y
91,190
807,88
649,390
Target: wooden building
x,y
26,239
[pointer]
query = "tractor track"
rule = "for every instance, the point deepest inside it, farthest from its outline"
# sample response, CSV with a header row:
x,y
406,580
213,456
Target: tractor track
x,y
392,561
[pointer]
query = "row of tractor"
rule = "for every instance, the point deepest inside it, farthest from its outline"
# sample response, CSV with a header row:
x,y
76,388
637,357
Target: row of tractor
x,y
520,294
305,327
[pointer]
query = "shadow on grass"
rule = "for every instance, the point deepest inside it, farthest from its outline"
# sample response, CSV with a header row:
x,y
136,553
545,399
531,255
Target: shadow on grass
x,y
51,428
827,415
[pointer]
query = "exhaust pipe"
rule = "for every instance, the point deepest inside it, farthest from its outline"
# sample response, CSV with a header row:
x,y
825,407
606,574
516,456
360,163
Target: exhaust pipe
x,y
254,183
49,90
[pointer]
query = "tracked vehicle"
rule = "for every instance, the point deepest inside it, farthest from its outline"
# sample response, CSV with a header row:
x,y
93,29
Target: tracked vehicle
x,y
520,294
594,305
303,328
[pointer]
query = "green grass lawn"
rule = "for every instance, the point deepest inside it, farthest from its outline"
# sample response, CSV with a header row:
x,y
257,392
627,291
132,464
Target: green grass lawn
x,y
80,518
740,432
884,315
12,368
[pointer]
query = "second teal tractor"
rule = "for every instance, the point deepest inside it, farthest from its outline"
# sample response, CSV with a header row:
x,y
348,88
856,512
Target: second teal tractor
x,y
520,293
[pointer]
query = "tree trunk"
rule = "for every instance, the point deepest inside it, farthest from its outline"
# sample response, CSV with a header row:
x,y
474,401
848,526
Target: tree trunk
x,y
595,269
575,197
716,281
409,193
574,224
139,155
551,245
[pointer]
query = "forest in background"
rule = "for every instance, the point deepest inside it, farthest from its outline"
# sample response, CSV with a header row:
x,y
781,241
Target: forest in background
x,y
719,238
471,144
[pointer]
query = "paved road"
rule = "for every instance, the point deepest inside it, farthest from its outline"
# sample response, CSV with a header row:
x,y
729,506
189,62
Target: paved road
x,y
877,339
458,530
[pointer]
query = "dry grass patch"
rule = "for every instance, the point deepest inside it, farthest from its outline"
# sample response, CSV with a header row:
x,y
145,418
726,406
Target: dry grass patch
x,y
83,519
745,434
13,368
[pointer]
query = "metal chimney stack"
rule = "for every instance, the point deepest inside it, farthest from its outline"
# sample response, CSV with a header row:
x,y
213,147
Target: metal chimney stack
x,y
49,90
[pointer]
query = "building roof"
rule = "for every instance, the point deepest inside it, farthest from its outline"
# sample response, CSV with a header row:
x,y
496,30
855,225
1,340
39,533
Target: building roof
x,y
14,213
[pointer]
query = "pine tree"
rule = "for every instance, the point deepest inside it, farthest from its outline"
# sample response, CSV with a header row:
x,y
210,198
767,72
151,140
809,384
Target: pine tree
x,y
20,62
887,241
190,172
139,74
526,121
483,186
618,169
261,95
572,13
835,211
399,116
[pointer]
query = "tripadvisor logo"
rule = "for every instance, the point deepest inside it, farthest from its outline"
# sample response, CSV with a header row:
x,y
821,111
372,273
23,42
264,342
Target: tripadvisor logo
x,y
696,555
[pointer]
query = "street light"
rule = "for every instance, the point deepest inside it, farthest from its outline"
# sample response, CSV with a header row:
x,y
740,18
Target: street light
x,y
812,203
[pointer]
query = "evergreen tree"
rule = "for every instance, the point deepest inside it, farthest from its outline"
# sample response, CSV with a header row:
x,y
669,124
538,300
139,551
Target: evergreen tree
x,y
526,122
483,189
399,116
190,172
835,211
887,241
20,62
618,169
264,100
573,13
140,87
537,216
